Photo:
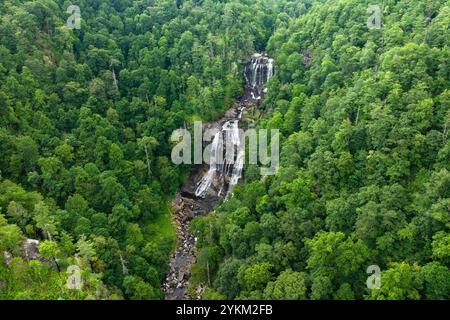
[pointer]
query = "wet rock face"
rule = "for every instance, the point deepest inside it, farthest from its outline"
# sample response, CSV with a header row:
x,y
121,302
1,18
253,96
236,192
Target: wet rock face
x,y
30,249
8,257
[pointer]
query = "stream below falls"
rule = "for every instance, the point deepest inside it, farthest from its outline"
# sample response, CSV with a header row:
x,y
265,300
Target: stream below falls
x,y
207,186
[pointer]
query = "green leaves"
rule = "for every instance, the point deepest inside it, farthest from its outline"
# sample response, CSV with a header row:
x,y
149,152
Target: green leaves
x,y
44,221
401,281
10,237
334,255
85,117
48,249
441,246
86,251
289,285
255,277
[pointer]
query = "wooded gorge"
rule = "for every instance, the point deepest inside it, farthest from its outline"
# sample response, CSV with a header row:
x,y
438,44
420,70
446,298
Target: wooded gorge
x,y
86,117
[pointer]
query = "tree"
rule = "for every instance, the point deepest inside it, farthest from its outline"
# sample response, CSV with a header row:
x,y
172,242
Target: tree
x,y
289,285
137,289
26,156
441,246
148,144
335,258
255,277
148,203
18,214
10,237
86,251
45,221
400,282
134,235
344,292
111,192
321,288
208,259
49,250
225,281
333,252
436,281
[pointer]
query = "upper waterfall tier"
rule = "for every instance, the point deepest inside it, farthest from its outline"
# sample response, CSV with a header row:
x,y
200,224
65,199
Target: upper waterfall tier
x,y
257,72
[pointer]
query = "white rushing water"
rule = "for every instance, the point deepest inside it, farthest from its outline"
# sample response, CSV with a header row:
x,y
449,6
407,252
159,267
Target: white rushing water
x,y
207,179
226,140
230,165
259,70
269,69
237,171
241,113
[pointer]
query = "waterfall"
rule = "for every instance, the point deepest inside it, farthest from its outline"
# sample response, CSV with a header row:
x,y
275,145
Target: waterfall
x,y
226,171
257,72
269,69
198,196
232,142
245,75
227,140
241,112
231,129
207,179
255,67
237,171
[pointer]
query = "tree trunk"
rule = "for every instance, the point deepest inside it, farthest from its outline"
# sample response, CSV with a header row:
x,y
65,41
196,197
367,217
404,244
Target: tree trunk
x,y
148,160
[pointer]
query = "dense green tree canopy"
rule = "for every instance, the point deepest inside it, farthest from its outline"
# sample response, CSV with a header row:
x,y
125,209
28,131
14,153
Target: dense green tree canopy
x,y
85,120
364,168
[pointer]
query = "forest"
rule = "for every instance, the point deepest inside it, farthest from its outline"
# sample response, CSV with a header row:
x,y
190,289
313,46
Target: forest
x,y
364,176
86,116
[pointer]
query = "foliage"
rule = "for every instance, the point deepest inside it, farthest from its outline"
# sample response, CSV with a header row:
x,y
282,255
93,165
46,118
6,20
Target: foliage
x,y
364,173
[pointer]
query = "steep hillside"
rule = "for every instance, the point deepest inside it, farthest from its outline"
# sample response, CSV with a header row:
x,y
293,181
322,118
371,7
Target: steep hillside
x,y
85,119
364,176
